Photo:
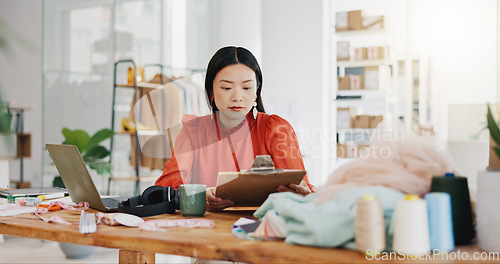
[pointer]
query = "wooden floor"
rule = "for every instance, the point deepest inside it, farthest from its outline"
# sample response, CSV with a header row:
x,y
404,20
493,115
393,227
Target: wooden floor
x,y
23,250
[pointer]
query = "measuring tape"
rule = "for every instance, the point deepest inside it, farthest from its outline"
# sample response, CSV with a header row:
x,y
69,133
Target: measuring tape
x,y
58,205
156,225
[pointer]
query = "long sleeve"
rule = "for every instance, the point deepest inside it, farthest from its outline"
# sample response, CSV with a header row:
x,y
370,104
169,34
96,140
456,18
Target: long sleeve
x,y
282,143
178,168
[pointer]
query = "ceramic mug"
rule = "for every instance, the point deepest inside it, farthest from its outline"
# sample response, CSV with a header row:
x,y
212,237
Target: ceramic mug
x,y
192,199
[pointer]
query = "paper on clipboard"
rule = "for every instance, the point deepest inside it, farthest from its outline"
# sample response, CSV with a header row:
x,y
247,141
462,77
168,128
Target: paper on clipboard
x,y
253,188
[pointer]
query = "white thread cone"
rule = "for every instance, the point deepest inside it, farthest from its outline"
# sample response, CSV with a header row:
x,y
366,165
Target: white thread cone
x,y
411,227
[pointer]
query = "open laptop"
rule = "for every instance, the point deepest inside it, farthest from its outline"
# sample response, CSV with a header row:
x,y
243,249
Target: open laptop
x,y
76,178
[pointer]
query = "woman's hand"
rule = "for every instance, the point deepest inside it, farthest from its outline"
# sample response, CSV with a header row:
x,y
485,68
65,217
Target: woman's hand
x,y
301,188
216,203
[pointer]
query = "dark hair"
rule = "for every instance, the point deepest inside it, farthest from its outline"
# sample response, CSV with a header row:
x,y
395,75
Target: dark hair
x,y
229,56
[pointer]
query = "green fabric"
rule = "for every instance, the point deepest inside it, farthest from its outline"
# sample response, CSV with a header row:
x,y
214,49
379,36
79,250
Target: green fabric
x,y
330,224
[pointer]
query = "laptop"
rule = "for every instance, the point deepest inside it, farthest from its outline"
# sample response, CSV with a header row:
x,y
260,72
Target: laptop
x,y
76,178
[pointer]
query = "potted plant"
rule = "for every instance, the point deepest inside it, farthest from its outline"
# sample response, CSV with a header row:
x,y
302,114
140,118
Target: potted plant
x,y
487,210
494,160
93,154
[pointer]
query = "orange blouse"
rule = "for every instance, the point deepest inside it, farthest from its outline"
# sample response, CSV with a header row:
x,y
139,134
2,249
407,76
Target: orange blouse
x,y
204,148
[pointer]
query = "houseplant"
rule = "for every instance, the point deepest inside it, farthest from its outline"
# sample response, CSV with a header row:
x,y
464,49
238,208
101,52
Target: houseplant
x,y
4,116
494,160
488,195
92,152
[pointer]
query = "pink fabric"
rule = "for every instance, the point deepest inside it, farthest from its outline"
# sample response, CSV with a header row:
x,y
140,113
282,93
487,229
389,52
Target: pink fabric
x,y
403,162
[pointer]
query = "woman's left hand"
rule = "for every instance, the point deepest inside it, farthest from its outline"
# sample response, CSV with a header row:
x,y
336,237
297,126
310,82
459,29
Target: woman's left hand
x,y
301,188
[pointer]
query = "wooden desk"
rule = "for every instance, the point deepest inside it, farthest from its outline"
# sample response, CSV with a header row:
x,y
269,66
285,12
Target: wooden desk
x,y
138,246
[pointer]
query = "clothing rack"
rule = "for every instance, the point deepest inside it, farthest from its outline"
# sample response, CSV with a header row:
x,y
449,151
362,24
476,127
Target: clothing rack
x,y
159,124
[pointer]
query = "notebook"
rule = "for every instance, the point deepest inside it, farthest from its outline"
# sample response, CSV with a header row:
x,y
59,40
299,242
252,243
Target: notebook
x,y
31,192
76,178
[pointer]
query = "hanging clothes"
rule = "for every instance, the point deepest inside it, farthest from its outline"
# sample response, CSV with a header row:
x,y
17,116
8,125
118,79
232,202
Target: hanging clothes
x,y
157,114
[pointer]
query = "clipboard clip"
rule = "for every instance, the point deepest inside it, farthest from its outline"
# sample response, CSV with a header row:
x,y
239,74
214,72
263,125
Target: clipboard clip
x,y
263,164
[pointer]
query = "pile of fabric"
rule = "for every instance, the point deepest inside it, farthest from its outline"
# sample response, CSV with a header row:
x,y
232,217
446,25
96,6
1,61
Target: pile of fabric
x,y
398,162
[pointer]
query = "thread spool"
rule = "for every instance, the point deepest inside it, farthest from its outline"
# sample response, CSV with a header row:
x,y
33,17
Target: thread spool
x,y
369,232
411,227
456,186
440,221
488,211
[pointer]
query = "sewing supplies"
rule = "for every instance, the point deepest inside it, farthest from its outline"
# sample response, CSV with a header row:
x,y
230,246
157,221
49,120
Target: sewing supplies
x,y
87,223
12,198
456,186
128,220
238,232
440,221
49,207
28,201
51,196
369,231
272,227
58,205
488,211
411,227
156,225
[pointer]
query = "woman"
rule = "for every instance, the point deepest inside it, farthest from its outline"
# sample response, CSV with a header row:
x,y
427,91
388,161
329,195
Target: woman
x,y
236,132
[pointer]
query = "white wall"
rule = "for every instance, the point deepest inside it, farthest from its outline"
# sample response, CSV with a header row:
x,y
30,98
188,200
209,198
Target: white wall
x,y
240,25
218,23
461,38
292,64
21,77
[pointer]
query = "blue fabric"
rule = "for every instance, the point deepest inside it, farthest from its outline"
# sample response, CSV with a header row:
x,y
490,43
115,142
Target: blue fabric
x,y
330,224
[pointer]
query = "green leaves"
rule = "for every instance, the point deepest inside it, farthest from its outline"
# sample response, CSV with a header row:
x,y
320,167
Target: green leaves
x,y
4,117
493,127
99,137
92,153
95,153
76,137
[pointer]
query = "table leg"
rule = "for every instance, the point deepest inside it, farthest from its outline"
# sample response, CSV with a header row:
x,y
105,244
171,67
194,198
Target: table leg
x,y
136,257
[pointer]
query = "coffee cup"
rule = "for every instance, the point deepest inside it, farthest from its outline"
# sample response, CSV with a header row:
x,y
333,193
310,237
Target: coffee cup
x,y
192,199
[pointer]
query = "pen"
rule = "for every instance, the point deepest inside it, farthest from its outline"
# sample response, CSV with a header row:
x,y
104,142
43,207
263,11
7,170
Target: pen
x,y
51,196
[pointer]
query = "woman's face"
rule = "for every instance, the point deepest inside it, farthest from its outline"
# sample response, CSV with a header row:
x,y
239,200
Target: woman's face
x,y
235,91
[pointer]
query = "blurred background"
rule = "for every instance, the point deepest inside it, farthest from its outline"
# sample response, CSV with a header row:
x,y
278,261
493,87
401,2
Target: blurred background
x,y
333,68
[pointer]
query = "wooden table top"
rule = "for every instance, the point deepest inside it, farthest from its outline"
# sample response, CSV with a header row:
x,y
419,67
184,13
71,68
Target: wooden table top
x,y
207,243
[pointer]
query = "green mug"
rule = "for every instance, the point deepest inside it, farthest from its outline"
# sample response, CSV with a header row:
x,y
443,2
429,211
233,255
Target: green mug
x,y
192,199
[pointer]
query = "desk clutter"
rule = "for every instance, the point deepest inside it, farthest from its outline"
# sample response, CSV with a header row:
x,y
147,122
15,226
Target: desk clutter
x,y
370,219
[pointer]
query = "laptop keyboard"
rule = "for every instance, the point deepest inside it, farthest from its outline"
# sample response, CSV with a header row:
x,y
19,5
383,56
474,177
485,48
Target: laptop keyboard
x,y
111,202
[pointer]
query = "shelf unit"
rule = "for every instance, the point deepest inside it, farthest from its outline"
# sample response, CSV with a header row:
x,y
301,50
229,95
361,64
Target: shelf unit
x,y
137,88
15,145
371,102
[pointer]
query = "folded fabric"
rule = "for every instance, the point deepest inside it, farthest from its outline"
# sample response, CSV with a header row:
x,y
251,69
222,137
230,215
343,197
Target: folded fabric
x,y
330,224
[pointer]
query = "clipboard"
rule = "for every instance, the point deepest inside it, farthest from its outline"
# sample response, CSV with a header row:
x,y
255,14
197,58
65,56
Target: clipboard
x,y
253,187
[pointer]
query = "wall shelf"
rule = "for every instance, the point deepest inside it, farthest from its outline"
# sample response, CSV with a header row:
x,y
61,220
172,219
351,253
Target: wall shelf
x,y
361,63
359,32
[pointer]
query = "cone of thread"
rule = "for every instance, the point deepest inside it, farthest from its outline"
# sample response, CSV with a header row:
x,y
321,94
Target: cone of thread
x,y
369,233
457,187
411,227
440,221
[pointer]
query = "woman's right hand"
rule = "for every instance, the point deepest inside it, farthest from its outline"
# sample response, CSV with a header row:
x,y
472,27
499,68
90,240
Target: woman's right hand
x,y
216,203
